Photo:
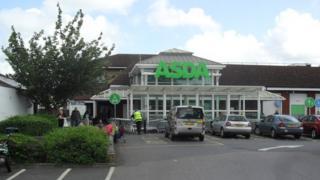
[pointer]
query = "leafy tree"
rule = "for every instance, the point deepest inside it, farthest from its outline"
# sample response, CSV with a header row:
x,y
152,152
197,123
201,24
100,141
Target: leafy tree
x,y
55,68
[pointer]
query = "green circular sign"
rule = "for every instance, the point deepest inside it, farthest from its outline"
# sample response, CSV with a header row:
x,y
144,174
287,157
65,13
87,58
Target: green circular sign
x,y
309,102
114,98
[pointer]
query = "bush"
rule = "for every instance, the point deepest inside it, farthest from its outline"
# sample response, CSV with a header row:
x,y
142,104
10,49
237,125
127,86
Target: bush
x,y
25,149
34,125
79,145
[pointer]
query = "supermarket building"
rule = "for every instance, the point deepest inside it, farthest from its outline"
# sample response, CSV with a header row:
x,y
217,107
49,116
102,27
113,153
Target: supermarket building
x,y
154,84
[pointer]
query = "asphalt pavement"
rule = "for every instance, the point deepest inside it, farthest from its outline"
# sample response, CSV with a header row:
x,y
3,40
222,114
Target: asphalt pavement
x,y
154,157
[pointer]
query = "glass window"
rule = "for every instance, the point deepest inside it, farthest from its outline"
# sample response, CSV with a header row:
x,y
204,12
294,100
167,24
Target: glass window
x,y
237,118
189,113
151,80
195,81
180,82
208,81
148,70
164,81
288,119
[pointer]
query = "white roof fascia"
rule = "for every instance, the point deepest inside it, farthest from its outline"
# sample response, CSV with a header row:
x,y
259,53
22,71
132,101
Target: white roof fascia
x,y
291,89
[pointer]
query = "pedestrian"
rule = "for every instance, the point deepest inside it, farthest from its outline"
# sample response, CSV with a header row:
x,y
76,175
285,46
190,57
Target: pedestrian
x,y
75,117
60,117
137,117
86,118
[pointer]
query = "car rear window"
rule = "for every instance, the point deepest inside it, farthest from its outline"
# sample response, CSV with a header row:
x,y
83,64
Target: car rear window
x,y
237,118
288,119
189,113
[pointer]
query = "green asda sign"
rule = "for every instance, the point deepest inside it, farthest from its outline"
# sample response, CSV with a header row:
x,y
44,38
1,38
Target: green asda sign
x,y
178,70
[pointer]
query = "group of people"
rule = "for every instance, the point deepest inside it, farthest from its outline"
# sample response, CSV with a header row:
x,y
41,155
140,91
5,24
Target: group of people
x,y
75,118
110,127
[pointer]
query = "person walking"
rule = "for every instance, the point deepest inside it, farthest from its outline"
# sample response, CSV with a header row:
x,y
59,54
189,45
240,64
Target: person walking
x,y
137,116
60,118
75,117
86,118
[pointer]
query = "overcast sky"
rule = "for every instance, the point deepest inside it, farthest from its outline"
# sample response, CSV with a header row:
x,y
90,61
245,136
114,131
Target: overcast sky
x,y
226,31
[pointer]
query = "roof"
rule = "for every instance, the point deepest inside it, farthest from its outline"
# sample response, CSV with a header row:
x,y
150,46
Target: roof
x,y
126,60
8,82
271,76
172,55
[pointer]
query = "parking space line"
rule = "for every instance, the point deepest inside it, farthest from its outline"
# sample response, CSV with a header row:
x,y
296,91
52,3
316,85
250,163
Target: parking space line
x,y
110,173
279,147
16,174
64,174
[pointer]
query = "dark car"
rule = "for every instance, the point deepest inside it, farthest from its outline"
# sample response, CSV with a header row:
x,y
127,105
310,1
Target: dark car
x,y
277,125
311,125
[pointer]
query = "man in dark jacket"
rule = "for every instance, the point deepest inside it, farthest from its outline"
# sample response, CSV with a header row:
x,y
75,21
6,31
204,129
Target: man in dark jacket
x,y
75,117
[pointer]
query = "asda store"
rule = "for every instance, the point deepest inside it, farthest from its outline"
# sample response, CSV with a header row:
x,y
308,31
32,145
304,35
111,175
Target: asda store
x,y
175,77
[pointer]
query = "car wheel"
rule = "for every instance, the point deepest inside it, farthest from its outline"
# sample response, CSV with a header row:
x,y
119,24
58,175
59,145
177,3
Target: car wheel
x,y
212,132
166,134
297,136
247,136
7,163
222,134
273,133
201,137
313,134
172,137
257,131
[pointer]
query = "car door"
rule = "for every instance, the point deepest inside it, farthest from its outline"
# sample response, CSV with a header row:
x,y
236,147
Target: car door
x,y
215,124
268,124
311,123
305,122
262,124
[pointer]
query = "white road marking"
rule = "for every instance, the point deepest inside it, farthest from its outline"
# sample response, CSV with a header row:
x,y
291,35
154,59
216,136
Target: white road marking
x,y
110,173
16,174
279,147
64,174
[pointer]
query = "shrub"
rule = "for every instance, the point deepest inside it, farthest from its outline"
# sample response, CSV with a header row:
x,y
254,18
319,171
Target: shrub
x,y
79,145
34,125
23,148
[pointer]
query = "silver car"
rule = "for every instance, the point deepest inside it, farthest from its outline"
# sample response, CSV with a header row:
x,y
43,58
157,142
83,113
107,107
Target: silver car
x,y
185,121
231,124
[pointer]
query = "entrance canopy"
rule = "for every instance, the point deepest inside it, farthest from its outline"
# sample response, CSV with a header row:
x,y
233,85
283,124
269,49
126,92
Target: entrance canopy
x,y
251,92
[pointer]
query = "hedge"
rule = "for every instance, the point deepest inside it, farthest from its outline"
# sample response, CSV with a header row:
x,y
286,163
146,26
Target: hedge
x,y
34,125
78,145
25,149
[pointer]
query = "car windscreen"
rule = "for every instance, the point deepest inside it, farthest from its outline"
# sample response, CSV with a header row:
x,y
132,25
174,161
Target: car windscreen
x,y
189,113
237,118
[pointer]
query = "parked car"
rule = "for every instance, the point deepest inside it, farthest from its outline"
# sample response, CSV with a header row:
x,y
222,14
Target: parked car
x,y
231,124
276,125
311,125
185,121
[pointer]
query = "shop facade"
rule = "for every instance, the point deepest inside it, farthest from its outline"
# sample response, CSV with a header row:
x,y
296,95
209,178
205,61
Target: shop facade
x,y
176,77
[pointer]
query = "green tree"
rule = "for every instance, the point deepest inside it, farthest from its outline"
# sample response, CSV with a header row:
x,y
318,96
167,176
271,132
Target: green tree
x,y
54,68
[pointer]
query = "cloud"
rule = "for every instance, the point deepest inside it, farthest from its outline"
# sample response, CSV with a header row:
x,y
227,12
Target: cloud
x,y
295,37
27,21
119,6
163,14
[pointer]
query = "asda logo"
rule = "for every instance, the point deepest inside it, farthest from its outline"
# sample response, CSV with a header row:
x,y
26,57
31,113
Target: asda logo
x,y
178,70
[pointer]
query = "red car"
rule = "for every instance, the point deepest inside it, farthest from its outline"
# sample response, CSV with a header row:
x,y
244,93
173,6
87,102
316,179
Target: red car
x,y
311,125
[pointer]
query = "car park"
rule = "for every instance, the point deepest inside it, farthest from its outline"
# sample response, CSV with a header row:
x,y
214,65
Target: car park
x,y
231,124
311,125
185,121
277,125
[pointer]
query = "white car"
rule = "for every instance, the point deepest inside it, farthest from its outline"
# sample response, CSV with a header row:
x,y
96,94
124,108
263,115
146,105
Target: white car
x,y
231,124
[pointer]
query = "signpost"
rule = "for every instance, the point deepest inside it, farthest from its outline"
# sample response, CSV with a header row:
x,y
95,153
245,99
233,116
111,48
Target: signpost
x,y
115,99
317,102
309,103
